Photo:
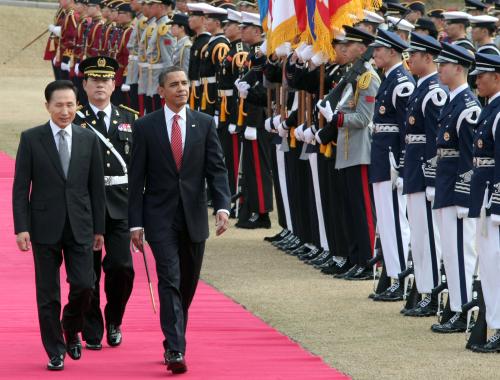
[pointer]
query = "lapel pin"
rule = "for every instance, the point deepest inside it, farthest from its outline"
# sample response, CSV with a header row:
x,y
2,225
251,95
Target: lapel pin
x,y
193,125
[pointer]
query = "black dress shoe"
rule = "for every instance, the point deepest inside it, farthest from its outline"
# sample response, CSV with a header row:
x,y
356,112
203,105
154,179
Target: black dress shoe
x,y
360,274
114,335
93,345
427,307
73,345
315,253
255,221
391,294
56,363
281,244
339,268
278,236
350,271
302,250
175,362
296,243
325,264
457,323
491,346
323,258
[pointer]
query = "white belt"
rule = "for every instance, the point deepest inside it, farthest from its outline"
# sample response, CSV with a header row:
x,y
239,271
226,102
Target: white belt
x,y
143,64
415,139
110,180
446,153
391,128
156,66
196,82
483,162
208,79
133,57
226,92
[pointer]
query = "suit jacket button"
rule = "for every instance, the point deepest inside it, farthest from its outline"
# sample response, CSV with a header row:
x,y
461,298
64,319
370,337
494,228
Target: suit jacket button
x,y
108,152
108,164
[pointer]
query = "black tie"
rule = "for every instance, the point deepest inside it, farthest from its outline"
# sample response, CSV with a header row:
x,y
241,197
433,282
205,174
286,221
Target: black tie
x,y
101,123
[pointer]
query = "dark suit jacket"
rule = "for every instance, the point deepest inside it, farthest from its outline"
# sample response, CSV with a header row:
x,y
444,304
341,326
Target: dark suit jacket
x,y
155,186
42,210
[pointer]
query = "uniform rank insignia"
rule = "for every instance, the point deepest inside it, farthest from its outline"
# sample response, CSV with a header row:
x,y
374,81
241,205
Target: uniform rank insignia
x,y
125,128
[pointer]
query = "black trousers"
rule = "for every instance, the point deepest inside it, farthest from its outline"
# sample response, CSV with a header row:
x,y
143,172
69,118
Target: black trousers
x,y
360,214
80,276
118,282
134,98
178,266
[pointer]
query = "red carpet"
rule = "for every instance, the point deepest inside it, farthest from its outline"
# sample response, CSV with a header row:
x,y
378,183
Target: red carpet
x,y
224,340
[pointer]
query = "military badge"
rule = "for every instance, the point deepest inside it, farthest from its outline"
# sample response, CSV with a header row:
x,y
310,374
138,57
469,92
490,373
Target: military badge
x,y
127,148
446,136
480,143
381,110
411,120
125,128
83,125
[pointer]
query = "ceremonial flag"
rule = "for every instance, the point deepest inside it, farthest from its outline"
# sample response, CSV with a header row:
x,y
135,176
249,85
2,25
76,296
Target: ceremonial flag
x,y
284,27
265,16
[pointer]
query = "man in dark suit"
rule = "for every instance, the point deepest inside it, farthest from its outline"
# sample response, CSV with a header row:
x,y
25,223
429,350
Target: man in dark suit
x,y
113,127
58,203
175,150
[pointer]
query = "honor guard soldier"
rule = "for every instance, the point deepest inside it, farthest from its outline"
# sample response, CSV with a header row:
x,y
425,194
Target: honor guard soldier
x,y
232,69
423,110
436,16
453,177
120,52
160,51
212,55
143,63
370,22
456,29
65,49
417,10
485,196
79,51
94,33
425,25
197,25
483,30
387,150
401,27
475,7
257,178
350,128
181,31
52,47
113,127
108,26
139,24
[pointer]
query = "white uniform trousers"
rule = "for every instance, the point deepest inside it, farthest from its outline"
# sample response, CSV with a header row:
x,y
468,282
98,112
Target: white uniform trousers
x,y
458,253
425,246
313,162
393,227
488,250
280,160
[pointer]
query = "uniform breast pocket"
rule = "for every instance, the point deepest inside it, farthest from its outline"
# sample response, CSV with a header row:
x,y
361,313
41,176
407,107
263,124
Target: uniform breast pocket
x,y
125,136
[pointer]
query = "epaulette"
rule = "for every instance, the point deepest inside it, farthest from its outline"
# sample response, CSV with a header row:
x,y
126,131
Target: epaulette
x,y
365,80
163,29
128,109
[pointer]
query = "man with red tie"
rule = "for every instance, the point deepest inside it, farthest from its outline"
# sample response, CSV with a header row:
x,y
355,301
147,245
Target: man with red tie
x,y
175,151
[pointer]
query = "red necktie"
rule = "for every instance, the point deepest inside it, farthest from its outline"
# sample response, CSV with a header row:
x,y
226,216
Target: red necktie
x,y
176,142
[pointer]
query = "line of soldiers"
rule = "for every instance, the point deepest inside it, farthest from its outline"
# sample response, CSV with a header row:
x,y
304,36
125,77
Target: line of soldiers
x,y
382,162
392,174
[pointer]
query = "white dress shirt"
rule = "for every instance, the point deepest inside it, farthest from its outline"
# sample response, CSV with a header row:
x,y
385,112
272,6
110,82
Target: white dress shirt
x,y
392,69
55,133
107,111
423,79
458,90
169,117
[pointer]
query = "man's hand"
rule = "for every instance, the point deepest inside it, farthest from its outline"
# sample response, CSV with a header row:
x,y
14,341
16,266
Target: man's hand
x,y
137,237
221,222
98,242
23,241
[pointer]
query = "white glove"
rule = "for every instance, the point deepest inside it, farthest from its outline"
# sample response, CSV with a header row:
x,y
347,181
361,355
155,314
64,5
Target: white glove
x,y
54,61
276,121
282,130
51,27
307,53
462,212
316,136
495,219
300,49
243,87
430,193
284,49
299,132
65,66
56,30
309,135
76,68
268,125
216,119
263,47
326,111
251,133
125,87
399,183
319,58
232,129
